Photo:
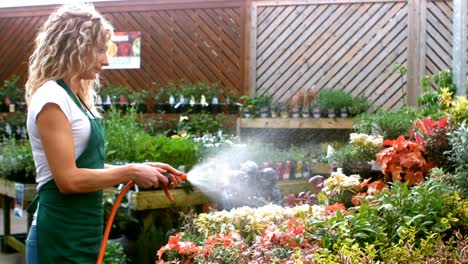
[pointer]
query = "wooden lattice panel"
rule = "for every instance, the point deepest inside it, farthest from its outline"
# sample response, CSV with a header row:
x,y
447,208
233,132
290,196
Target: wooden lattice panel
x,y
17,42
350,46
192,44
199,41
438,29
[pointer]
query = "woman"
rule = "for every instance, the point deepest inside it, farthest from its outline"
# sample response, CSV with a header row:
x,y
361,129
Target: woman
x,y
67,138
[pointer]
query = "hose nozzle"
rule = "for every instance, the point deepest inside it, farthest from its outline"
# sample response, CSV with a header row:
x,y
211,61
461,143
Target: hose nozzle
x,y
183,176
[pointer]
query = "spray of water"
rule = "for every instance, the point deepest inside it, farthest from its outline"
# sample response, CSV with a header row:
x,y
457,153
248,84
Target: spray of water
x,y
231,179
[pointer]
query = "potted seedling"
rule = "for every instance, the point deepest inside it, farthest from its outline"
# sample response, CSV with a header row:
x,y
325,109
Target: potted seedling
x,y
332,101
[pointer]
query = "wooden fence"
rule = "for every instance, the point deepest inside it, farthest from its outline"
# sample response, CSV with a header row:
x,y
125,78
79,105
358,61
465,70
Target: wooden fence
x,y
272,48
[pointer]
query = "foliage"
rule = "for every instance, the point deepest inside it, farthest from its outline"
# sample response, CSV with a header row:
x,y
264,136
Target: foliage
x,y
444,79
114,254
458,111
16,161
138,97
253,104
333,98
359,105
201,123
280,237
389,124
114,92
339,188
241,220
412,224
121,132
361,148
433,136
389,220
191,90
175,151
459,155
11,90
125,223
403,160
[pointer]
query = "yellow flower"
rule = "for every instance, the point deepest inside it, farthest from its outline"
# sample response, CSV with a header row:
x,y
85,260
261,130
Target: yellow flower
x,y
459,109
445,96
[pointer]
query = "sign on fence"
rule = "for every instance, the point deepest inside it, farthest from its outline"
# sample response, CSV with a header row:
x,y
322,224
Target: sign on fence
x,y
124,51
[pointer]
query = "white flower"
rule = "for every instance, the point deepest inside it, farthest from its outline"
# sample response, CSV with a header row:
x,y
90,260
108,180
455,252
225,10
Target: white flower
x,y
182,118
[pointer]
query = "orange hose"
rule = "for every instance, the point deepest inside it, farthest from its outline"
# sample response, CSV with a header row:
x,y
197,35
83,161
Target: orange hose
x,y
129,185
102,250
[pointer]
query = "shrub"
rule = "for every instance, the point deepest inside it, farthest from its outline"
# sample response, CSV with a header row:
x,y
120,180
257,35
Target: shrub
x,y
389,124
459,155
16,161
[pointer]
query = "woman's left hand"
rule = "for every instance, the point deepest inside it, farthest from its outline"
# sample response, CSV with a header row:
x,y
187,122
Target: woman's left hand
x,y
164,168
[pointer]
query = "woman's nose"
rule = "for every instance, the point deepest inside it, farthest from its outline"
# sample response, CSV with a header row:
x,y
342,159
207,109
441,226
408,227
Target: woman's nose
x,y
105,60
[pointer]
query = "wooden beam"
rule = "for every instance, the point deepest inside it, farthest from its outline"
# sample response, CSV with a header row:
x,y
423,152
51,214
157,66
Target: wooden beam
x,y
124,6
320,2
460,18
15,243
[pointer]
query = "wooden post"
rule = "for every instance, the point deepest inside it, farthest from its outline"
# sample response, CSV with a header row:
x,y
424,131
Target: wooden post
x,y
459,45
253,49
412,86
422,39
246,17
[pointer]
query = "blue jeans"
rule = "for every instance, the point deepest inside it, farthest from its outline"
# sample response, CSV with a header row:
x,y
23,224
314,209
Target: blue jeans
x,y
31,246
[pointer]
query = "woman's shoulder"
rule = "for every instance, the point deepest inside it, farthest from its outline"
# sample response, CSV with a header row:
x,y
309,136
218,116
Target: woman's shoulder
x,y
49,92
50,86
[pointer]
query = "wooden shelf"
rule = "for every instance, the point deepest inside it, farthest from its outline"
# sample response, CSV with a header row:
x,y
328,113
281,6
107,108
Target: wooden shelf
x,y
296,123
8,188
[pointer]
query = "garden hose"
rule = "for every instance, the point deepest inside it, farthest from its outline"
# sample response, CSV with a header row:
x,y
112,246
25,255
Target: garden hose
x,y
129,185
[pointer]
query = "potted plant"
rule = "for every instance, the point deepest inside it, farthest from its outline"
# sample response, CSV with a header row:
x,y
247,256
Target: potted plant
x,y
332,101
231,102
252,106
165,99
138,100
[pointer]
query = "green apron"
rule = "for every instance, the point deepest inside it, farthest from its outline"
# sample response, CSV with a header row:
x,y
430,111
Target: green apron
x,y
70,226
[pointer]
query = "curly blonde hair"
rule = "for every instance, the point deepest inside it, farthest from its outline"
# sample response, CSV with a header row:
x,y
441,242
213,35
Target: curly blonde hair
x,y
69,39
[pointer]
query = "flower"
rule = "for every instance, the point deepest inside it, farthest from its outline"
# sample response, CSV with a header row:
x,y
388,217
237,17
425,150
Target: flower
x,y
445,97
356,138
182,118
338,183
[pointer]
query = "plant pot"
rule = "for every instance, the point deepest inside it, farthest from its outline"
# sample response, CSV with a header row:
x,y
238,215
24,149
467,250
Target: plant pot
x,y
316,112
140,108
344,112
331,113
264,112
232,109
215,108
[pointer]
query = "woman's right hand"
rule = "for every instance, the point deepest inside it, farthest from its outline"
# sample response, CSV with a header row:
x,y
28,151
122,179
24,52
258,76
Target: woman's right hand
x,y
147,176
